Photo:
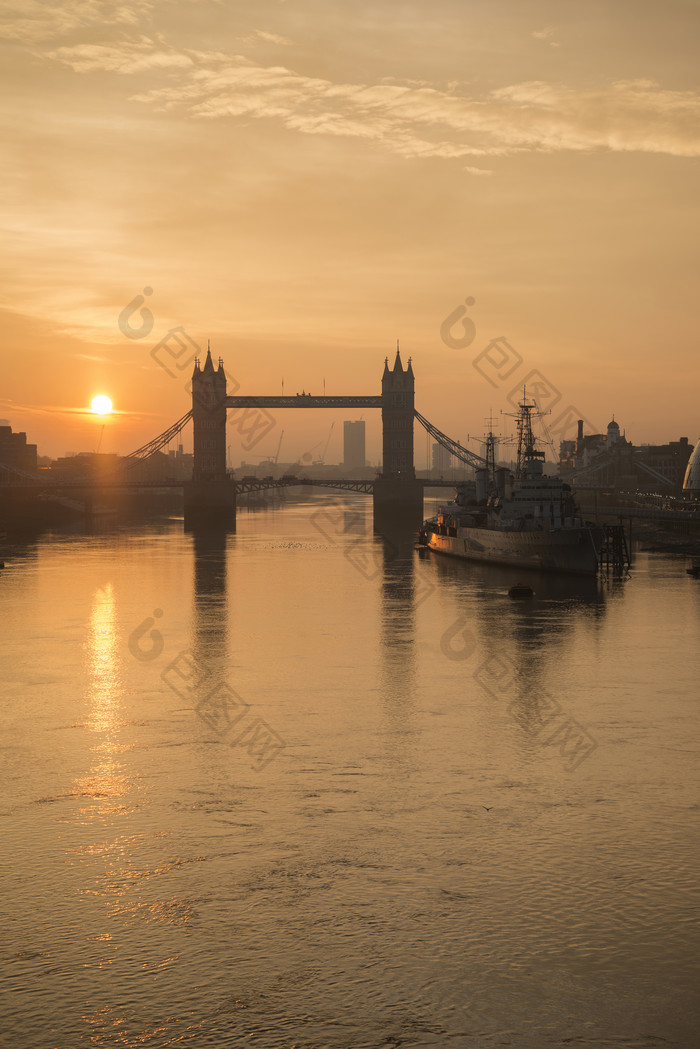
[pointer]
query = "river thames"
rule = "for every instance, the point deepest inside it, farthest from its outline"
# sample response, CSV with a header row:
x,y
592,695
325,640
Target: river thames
x,y
299,786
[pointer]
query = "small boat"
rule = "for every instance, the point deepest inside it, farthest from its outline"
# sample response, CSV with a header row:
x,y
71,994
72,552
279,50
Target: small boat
x,y
694,571
521,590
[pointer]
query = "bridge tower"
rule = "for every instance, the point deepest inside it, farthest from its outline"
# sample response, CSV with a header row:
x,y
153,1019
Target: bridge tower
x,y
210,497
398,497
398,394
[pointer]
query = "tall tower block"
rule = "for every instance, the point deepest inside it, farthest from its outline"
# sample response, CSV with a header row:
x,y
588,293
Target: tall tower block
x,y
398,496
210,497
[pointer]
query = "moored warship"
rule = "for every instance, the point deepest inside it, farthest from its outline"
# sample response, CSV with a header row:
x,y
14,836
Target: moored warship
x,y
525,519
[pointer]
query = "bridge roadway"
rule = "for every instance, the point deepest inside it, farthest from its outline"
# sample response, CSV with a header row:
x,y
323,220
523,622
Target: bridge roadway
x,y
303,400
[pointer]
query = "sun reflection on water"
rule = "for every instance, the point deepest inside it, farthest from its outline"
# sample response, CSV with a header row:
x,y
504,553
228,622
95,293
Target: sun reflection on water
x,y
105,686
105,780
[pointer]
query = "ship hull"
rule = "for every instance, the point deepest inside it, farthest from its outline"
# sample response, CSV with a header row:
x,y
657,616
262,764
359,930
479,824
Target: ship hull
x,y
571,550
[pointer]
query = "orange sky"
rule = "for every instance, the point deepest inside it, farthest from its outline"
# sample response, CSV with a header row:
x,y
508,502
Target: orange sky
x,y
304,183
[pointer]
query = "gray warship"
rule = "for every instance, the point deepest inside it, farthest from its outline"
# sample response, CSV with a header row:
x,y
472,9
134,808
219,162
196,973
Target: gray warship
x,y
524,519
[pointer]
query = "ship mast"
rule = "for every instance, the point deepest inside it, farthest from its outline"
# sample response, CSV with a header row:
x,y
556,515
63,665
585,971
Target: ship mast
x,y
526,438
491,456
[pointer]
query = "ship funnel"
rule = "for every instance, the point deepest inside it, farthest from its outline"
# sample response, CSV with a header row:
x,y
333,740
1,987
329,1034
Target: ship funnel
x,y
482,485
501,478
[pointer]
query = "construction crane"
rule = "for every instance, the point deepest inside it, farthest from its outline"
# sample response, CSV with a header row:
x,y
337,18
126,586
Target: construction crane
x,y
322,460
279,445
275,457
306,457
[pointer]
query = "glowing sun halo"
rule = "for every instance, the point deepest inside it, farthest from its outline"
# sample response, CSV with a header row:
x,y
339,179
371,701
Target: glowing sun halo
x,y
101,405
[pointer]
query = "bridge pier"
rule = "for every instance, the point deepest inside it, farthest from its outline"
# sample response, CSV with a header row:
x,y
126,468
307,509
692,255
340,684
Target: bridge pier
x,y
210,503
397,502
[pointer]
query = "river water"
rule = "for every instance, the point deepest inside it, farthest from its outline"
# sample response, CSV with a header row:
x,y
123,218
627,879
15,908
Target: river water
x,y
299,786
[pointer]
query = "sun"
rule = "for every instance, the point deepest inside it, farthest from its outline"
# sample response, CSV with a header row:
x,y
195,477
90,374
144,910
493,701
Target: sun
x,y
101,405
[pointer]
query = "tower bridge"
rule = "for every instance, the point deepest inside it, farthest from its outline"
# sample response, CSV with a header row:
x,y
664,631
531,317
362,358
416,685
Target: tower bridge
x,y
211,495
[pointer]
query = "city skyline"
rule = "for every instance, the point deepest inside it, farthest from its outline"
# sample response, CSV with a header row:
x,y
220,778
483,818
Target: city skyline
x,y
304,187
243,449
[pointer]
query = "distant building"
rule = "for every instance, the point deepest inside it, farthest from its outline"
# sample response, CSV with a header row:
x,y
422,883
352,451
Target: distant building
x,y
175,466
89,466
180,464
610,459
14,450
85,466
354,445
670,460
441,460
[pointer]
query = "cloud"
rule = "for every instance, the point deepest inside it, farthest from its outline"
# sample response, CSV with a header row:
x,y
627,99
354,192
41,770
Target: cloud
x,y
267,38
477,171
136,58
409,120
546,34
30,21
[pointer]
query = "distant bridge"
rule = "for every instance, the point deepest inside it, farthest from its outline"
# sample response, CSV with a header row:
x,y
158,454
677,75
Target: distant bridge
x,y
22,480
28,482
648,513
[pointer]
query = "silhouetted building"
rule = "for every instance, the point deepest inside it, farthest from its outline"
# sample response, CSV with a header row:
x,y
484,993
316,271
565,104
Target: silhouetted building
x,y
14,450
95,466
180,464
441,460
613,433
354,445
175,466
670,459
610,459
87,466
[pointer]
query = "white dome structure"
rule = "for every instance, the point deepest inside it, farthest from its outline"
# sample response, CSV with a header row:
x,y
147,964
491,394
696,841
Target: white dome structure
x,y
692,474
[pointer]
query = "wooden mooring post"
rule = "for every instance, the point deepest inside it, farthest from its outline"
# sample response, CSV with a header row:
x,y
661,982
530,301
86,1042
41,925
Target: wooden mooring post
x,y
615,553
